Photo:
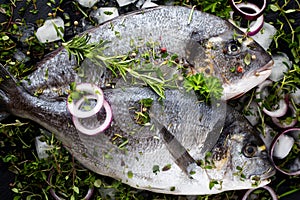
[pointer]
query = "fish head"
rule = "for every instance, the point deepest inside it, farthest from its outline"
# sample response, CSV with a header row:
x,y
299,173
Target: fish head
x,y
246,154
237,60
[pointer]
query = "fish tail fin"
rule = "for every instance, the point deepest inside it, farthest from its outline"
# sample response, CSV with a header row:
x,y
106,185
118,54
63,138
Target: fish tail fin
x,y
8,91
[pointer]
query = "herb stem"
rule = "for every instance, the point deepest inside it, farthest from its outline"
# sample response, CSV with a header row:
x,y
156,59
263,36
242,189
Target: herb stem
x,y
121,65
191,15
288,193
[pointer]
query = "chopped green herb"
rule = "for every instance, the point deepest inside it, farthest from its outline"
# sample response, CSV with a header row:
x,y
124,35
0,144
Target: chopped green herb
x,y
212,183
108,12
146,103
208,167
206,87
107,156
130,174
142,115
117,33
166,167
73,96
122,145
255,181
155,169
247,59
232,69
192,172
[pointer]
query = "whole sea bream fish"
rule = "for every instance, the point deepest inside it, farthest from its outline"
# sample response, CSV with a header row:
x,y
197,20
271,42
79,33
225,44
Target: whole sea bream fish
x,y
188,147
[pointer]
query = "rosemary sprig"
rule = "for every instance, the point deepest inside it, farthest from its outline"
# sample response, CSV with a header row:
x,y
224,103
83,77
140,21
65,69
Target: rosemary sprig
x,y
157,84
123,65
79,46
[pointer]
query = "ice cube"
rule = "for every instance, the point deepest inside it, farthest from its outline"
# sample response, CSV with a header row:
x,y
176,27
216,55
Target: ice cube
x,y
48,32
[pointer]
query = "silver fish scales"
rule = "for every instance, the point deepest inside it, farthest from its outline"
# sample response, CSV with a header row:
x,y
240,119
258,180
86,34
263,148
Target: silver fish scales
x,y
210,46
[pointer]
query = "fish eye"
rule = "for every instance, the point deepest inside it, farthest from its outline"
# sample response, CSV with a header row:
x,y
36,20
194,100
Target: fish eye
x,y
233,48
249,150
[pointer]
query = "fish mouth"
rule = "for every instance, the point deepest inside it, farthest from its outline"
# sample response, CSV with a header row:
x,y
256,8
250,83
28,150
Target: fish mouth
x,y
267,67
269,173
266,175
247,82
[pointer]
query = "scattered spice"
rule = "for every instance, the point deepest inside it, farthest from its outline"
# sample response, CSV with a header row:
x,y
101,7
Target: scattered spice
x,y
240,69
163,50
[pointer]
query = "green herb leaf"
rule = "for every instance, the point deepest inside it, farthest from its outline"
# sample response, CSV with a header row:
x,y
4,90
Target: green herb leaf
x,y
155,169
146,102
5,37
239,168
247,59
212,183
108,12
15,190
129,174
166,167
97,183
290,11
206,87
274,8
76,189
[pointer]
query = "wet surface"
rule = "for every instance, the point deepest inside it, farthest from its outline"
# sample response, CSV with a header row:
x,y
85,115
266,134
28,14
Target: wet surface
x,y
71,14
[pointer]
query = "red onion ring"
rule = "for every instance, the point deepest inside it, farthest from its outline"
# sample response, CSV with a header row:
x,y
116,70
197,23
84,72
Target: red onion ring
x,y
283,107
91,89
280,111
273,144
257,23
277,122
99,129
88,195
270,190
245,15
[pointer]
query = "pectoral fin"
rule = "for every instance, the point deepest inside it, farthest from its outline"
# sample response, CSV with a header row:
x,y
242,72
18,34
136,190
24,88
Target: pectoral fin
x,y
181,156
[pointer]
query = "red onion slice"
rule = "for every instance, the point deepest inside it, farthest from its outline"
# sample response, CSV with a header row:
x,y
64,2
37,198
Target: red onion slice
x,y
245,15
99,129
88,195
273,148
283,107
270,190
255,26
91,89
280,124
